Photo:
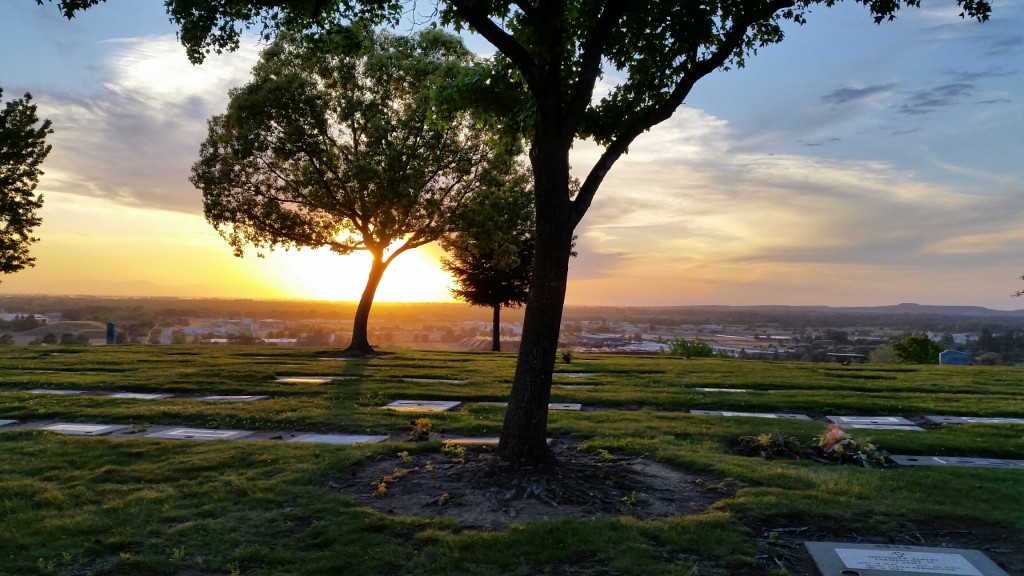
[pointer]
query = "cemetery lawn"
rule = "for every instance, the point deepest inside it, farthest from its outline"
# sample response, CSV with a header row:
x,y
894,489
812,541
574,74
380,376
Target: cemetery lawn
x,y
129,505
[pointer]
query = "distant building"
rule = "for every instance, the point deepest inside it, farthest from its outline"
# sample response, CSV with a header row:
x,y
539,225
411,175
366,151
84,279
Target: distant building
x,y
954,358
847,358
600,340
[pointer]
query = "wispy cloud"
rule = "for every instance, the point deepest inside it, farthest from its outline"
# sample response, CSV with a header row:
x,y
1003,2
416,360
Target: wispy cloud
x,y
842,96
930,100
134,137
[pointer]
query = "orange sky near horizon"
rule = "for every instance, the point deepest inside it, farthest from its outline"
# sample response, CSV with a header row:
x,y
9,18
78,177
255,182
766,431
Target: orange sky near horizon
x,y
91,246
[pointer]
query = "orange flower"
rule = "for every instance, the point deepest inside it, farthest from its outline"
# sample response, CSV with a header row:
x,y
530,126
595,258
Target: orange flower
x,y
834,436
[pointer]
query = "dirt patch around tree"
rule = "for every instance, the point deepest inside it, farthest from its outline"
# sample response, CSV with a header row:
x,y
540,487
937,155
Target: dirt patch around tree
x,y
580,484
584,484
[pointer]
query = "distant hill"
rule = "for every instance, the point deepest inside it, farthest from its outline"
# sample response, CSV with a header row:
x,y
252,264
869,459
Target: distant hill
x,y
902,317
96,332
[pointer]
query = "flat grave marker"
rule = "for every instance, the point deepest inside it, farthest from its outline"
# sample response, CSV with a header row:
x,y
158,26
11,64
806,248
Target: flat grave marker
x,y
855,559
491,441
575,374
885,427
423,405
751,414
973,420
338,438
720,389
485,441
436,380
53,391
552,406
7,422
957,462
303,379
199,434
83,429
880,420
233,398
140,395
574,386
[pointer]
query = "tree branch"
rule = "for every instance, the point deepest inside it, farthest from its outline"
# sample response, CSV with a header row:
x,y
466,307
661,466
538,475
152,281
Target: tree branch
x,y
730,42
590,61
501,40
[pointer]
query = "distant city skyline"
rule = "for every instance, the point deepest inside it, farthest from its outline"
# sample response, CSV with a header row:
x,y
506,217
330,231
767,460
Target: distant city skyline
x,y
851,165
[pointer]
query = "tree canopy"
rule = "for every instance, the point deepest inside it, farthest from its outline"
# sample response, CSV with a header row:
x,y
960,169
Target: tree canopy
x,y
335,142
491,246
916,349
23,148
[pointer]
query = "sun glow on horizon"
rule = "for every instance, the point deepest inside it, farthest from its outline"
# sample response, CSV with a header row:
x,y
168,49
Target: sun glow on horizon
x,y
414,276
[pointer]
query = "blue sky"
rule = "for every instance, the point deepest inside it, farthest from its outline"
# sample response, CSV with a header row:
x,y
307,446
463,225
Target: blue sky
x,y
853,164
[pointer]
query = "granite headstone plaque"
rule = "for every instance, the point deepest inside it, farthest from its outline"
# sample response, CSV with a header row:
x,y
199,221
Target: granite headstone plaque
x,y
856,559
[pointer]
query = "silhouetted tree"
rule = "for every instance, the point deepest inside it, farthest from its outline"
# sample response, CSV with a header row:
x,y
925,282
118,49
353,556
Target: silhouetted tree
x,y
335,142
491,248
22,150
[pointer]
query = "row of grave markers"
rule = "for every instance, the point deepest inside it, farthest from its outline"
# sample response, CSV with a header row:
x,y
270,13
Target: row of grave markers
x,y
854,422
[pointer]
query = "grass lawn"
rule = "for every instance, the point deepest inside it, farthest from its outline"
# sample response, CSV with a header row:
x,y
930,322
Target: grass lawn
x,y
78,505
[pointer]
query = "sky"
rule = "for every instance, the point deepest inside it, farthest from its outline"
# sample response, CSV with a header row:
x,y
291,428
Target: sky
x,y
853,164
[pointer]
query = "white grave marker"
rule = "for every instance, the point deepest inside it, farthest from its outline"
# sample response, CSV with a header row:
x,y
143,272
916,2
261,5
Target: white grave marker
x,y
855,559
957,461
437,380
885,427
199,434
52,391
974,420
751,414
882,420
720,389
7,422
338,438
140,396
981,420
83,429
423,405
900,561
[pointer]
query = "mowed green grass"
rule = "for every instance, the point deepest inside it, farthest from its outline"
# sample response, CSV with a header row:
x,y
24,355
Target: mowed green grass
x,y
73,505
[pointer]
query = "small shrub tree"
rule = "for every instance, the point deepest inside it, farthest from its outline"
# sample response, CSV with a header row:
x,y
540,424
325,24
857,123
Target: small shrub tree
x,y
916,349
695,348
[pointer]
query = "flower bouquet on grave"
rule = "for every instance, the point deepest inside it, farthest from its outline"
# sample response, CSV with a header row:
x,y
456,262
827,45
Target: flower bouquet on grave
x,y
836,446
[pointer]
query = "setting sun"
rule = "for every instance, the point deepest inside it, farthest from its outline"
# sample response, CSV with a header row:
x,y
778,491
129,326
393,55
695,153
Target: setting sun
x,y
415,276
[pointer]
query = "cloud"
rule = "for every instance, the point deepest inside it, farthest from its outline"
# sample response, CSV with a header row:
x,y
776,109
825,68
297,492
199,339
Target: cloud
x,y
719,216
928,101
846,95
134,137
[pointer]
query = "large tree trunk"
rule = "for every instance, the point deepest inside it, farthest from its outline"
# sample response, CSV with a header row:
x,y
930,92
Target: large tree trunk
x,y
524,432
360,345
496,329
